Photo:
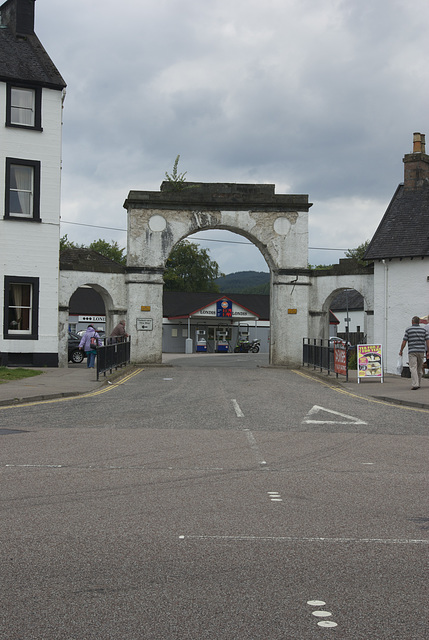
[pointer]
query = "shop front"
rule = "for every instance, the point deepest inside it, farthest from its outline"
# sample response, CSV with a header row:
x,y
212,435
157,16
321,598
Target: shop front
x,y
215,327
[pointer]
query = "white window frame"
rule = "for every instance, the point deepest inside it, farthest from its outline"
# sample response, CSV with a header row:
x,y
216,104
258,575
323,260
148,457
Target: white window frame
x,y
31,308
27,191
20,112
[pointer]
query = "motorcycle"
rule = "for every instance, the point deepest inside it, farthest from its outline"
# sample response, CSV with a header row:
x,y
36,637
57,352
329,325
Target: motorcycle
x,y
244,346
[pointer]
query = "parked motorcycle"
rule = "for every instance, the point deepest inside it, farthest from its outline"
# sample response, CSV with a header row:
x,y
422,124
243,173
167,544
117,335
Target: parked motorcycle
x,y
244,346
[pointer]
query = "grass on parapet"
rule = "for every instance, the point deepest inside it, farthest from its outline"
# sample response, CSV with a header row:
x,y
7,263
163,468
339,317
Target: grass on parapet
x,y
6,374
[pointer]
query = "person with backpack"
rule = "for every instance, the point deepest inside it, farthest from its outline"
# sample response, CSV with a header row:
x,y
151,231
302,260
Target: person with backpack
x,y
89,343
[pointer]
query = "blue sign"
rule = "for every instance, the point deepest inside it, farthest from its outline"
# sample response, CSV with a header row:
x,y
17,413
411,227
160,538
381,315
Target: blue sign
x,y
224,308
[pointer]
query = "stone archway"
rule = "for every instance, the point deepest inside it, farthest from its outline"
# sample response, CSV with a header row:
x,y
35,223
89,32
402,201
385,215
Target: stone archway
x,y
276,224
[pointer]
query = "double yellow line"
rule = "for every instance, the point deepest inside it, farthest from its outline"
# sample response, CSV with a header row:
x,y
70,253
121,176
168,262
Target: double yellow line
x,y
91,394
356,395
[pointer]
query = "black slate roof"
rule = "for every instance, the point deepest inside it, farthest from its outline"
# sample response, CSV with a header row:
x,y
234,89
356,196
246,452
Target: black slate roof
x,y
24,59
182,303
404,230
351,300
88,260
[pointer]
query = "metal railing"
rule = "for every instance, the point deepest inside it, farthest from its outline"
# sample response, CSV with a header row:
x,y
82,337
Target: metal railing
x,y
113,354
320,354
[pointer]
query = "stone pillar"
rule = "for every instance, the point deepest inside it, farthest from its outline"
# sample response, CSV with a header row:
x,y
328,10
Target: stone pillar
x,y
289,316
144,324
63,335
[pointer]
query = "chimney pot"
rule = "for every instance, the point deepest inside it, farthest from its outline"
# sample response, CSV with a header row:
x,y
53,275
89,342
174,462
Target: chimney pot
x,y
419,144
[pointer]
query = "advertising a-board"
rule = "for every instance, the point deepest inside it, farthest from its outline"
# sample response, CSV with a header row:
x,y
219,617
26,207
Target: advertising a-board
x,y
369,362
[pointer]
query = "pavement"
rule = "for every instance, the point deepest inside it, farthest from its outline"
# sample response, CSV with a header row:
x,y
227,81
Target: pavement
x,y
77,379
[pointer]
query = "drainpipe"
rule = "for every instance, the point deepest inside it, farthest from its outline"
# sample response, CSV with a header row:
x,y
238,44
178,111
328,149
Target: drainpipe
x,y
386,311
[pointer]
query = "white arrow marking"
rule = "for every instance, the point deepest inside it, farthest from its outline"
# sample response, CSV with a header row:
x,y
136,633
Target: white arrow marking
x,y
317,409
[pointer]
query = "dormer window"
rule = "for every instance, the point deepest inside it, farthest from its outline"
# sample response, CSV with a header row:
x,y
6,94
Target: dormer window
x,y
24,106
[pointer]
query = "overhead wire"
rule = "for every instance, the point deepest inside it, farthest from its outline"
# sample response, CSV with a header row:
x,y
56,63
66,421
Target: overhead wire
x,y
97,226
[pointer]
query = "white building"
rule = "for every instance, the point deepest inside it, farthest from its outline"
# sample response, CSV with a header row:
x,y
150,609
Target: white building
x,y
31,96
400,250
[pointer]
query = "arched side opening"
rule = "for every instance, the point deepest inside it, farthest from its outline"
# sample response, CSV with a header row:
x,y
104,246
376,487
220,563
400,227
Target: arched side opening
x,y
108,282
352,298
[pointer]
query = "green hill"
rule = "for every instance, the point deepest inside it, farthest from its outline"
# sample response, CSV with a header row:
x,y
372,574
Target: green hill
x,y
245,282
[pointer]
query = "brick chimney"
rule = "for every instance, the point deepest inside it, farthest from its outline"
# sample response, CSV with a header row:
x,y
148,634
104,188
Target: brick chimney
x,y
18,15
416,164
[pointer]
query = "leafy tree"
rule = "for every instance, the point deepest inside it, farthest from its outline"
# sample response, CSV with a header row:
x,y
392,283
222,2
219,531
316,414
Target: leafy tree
x,y
65,243
189,268
109,250
358,253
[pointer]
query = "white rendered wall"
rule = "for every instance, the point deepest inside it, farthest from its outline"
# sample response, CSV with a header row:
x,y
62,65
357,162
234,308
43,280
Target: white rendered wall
x,y
32,248
401,291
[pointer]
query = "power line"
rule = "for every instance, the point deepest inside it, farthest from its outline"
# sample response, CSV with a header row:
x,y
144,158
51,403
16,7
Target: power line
x,y
96,226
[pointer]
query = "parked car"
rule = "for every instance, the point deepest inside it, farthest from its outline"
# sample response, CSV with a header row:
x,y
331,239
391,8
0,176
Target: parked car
x,y
75,354
335,340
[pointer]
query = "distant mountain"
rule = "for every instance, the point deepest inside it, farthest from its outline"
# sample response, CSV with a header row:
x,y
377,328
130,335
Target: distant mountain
x,y
245,282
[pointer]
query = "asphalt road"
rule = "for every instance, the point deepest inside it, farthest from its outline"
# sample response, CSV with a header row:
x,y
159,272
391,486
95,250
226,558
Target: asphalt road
x,y
214,502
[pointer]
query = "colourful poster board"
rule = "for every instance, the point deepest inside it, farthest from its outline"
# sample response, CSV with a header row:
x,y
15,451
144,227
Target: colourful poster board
x,y
369,362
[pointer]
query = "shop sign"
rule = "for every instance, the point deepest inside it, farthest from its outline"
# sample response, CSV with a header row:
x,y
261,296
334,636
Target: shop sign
x,y
91,318
224,308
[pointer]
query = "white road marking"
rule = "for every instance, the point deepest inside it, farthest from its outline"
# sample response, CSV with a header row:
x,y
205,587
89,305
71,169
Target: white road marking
x,y
254,447
316,409
244,538
249,435
275,496
237,409
322,614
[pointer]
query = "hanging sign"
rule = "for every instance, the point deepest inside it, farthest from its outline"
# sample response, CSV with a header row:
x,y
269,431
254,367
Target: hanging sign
x,y
369,362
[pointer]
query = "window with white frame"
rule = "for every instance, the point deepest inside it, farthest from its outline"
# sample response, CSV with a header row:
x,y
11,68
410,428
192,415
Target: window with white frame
x,y
24,107
21,307
22,189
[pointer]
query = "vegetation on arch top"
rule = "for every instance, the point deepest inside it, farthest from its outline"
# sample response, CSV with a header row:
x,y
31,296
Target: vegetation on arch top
x,y
214,195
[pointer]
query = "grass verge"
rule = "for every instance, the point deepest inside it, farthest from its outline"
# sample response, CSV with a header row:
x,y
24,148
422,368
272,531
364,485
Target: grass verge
x,y
6,374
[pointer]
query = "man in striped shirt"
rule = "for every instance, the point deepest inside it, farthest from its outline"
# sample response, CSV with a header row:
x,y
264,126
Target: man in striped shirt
x,y
417,338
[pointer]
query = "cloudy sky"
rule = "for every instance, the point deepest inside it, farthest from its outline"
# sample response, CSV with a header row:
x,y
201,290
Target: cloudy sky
x,y
319,97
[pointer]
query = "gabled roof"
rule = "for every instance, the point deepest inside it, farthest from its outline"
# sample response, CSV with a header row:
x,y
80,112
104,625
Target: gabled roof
x,y
350,299
404,230
182,303
88,260
333,318
22,56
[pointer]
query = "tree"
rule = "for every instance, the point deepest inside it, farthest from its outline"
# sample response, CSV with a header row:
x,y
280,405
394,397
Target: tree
x,y
358,253
65,243
109,250
189,268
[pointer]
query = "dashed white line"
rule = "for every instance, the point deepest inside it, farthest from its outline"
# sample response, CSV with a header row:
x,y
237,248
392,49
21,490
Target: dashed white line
x,y
245,538
237,409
